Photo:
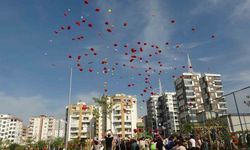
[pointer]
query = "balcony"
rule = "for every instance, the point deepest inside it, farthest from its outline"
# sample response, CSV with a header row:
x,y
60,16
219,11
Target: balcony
x,y
117,120
74,131
74,125
128,126
117,126
117,115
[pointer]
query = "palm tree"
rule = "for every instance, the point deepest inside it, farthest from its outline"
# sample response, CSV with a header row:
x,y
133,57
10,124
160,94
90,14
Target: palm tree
x,y
57,143
107,107
41,144
187,128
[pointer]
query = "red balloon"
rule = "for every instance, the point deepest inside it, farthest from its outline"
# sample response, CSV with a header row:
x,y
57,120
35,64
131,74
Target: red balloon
x,y
141,50
97,9
135,130
84,107
90,70
78,23
90,25
86,2
109,30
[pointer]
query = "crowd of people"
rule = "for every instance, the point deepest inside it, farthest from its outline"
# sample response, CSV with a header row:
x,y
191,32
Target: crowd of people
x,y
157,143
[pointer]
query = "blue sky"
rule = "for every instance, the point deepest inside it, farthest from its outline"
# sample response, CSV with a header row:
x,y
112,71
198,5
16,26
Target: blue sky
x,y
35,68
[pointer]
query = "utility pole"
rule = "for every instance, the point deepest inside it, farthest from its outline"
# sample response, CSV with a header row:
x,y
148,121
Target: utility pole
x,y
236,105
68,113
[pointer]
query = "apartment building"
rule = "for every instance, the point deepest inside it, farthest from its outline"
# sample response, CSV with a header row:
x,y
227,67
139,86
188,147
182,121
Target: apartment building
x,y
199,96
189,96
168,113
152,111
212,93
81,121
41,128
60,128
11,128
123,118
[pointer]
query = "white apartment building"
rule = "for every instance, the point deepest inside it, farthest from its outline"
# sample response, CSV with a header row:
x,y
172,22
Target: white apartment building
x,y
212,93
168,113
189,97
42,128
60,128
81,121
199,95
152,111
11,128
123,117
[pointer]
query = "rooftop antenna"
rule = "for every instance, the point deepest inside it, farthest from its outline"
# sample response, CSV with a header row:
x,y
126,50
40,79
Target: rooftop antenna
x,y
190,67
160,87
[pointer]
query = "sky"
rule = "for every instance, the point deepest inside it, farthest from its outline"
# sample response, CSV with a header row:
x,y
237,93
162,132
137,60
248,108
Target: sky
x,y
34,59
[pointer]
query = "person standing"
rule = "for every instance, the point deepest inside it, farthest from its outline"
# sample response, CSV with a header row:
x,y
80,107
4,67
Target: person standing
x,y
142,144
192,143
109,141
159,144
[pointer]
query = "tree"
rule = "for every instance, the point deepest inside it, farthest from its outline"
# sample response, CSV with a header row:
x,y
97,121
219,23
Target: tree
x,y
106,106
41,144
187,128
15,146
57,143
29,142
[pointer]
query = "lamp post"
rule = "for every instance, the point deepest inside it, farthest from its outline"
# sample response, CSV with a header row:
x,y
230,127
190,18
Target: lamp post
x,y
68,114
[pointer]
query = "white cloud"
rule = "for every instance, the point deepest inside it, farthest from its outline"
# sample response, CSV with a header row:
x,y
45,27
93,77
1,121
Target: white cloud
x,y
241,11
242,76
206,59
25,107
87,97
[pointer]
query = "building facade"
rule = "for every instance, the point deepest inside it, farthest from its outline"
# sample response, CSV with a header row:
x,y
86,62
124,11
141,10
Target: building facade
x,y
189,97
152,119
212,92
168,113
80,119
199,96
43,128
60,128
11,128
123,117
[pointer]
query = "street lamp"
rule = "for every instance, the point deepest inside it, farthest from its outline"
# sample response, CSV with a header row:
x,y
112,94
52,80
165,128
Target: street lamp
x,y
68,114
